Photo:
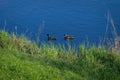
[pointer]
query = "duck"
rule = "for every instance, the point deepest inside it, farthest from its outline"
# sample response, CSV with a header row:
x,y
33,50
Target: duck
x,y
50,37
68,37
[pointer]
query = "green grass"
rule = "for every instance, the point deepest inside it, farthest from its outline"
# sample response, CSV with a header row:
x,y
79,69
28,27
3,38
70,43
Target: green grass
x,y
21,59
18,66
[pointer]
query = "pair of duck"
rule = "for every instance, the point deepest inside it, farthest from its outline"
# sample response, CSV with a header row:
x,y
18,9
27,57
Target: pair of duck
x,y
66,37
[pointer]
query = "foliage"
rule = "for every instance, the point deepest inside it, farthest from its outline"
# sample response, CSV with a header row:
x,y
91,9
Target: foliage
x,y
5,41
22,59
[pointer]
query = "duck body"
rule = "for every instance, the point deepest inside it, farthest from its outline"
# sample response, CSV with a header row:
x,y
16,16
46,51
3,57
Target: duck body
x,y
50,37
67,37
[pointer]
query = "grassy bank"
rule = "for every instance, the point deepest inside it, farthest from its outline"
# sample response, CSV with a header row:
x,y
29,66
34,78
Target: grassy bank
x,y
21,59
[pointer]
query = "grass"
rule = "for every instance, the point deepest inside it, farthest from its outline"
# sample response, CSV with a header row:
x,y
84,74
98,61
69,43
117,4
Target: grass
x,y
21,59
18,66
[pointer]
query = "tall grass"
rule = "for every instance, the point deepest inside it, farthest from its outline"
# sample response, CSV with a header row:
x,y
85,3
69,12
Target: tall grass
x,y
22,59
114,44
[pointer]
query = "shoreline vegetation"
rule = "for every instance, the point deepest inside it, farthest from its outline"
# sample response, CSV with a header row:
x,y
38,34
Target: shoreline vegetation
x,y
23,59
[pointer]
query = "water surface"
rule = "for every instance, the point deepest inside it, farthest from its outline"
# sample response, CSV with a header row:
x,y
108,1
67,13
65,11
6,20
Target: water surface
x,y
84,19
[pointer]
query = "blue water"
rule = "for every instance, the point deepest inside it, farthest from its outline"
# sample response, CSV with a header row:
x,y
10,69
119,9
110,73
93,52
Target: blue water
x,y
84,19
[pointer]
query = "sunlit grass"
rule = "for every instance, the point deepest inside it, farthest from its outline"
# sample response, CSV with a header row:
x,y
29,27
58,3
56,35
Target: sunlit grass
x,y
22,59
